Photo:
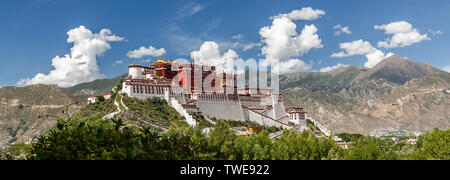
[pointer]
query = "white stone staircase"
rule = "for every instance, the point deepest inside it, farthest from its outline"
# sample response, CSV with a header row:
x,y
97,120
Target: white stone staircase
x,y
207,119
177,106
111,115
321,127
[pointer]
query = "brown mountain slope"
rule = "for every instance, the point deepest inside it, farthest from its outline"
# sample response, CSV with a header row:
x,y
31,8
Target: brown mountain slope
x,y
323,106
28,112
419,105
398,93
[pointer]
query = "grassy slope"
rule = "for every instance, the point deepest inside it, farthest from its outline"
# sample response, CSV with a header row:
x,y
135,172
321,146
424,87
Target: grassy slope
x,y
154,110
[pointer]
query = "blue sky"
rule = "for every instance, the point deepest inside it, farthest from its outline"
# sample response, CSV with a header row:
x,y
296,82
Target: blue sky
x,y
33,32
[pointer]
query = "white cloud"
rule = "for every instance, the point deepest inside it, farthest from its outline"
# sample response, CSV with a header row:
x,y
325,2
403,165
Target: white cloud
x,y
306,13
239,45
239,36
118,62
291,66
146,60
341,29
143,51
402,33
435,33
375,58
189,10
81,64
282,41
330,68
209,54
446,68
251,46
360,47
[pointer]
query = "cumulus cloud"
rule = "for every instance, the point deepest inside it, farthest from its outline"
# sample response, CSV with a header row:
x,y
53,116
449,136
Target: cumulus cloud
x,y
403,34
360,47
330,68
81,64
306,13
341,29
282,41
143,51
209,54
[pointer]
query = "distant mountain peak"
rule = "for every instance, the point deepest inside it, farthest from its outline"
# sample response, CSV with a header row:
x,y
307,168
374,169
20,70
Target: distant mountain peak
x,y
398,69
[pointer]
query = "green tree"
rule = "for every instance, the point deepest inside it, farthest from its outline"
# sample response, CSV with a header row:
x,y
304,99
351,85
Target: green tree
x,y
370,148
101,98
436,143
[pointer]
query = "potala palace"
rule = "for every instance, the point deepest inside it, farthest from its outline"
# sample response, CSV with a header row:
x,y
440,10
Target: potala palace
x,y
190,88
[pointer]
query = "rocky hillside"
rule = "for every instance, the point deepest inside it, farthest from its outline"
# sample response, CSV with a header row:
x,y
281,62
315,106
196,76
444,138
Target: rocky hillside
x,y
419,105
396,94
334,81
28,112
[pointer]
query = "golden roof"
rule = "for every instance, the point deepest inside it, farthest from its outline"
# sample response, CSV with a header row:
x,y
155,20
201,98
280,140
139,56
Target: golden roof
x,y
161,60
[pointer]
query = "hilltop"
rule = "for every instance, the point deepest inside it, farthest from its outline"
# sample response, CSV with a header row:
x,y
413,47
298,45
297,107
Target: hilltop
x,y
398,70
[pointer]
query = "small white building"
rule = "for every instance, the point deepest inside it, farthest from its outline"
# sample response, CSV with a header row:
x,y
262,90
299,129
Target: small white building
x,y
107,96
92,99
296,115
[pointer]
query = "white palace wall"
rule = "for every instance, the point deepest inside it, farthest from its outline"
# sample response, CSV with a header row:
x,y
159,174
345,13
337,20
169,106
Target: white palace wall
x,y
214,105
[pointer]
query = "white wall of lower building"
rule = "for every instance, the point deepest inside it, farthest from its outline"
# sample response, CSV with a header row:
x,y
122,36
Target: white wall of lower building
x,y
136,72
92,100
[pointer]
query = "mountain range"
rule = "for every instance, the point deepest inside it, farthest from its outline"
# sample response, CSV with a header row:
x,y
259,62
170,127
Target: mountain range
x,y
397,93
